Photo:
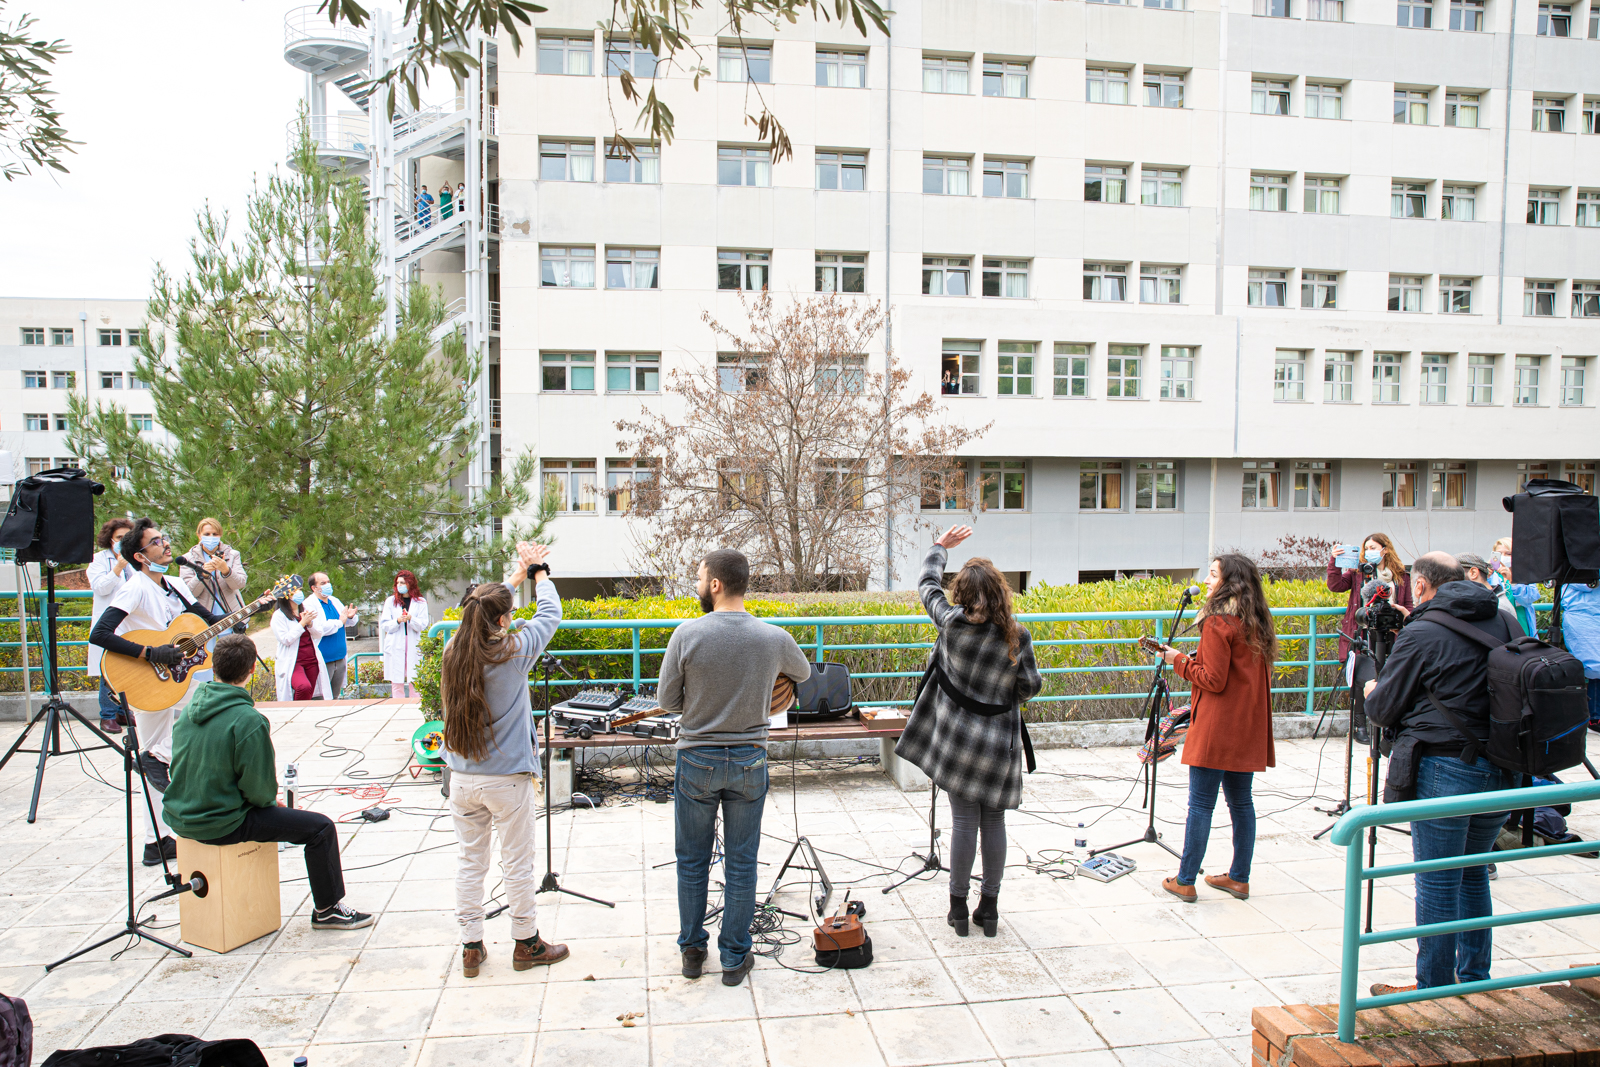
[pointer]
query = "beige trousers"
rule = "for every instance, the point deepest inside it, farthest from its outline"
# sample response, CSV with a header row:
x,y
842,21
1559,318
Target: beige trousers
x,y
480,803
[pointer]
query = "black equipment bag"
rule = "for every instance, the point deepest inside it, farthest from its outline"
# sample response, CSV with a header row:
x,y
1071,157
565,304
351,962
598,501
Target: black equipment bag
x,y
825,695
52,517
16,1032
1556,526
1538,704
164,1050
847,959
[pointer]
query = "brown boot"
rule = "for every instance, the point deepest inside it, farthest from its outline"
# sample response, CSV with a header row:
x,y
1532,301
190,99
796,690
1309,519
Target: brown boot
x,y
1183,892
1229,886
536,951
472,957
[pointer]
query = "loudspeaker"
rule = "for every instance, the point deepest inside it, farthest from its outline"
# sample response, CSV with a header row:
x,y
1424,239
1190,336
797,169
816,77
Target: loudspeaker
x,y
52,517
1555,533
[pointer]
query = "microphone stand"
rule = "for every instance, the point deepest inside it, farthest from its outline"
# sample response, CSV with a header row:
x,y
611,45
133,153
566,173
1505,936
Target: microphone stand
x,y
551,883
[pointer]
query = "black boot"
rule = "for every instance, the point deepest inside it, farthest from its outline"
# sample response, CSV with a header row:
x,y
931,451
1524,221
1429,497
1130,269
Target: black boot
x,y
958,915
988,914
1359,721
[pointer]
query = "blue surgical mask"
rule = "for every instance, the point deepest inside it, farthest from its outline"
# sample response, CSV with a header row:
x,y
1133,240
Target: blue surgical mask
x,y
325,590
210,542
116,547
298,597
400,587
159,568
1374,555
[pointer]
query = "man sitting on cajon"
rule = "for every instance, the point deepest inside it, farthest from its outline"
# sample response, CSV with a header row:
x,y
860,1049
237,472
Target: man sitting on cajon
x,y
225,785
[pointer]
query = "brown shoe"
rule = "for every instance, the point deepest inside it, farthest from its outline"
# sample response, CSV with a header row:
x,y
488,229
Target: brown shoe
x,y
1229,886
1183,892
472,958
1383,989
541,952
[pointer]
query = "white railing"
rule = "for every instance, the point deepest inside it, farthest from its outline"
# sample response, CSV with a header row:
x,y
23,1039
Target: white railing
x,y
494,324
410,227
493,124
494,413
344,133
309,23
494,218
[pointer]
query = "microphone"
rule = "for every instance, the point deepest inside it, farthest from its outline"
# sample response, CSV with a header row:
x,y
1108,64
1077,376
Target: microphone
x,y
1191,592
195,885
184,561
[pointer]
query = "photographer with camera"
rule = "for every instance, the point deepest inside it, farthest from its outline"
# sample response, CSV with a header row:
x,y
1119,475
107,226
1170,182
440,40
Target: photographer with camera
x,y
1378,574
1433,700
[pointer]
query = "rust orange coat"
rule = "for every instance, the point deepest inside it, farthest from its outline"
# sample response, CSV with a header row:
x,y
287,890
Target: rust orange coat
x,y
1231,728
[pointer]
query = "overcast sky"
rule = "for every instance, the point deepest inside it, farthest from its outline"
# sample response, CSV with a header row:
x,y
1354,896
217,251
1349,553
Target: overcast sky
x,y
177,103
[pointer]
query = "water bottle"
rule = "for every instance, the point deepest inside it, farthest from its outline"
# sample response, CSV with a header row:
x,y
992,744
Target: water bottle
x,y
291,777
1082,840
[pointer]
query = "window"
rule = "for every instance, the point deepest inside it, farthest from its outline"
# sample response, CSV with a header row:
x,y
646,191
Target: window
x,y
632,268
1014,366
1339,378
136,382
1164,188
1588,208
1405,292
566,161
744,166
35,422
1586,300
1289,375
1461,109
1100,485
1544,207
1005,177
1573,371
1107,85
1160,284
1399,485
1418,14
1538,298
1269,96
1528,471
1003,482
1155,485
38,464
1319,289
1268,289
61,336
110,338
33,379
1105,281
1447,486
1324,100
633,372
1313,485
111,379
1480,379
1123,370
1005,277
626,54
142,423
63,379
1459,203
945,175
1434,378
33,335
841,272
571,484
1177,372
565,267
1108,185
1527,392
622,475
1411,105
567,372
1455,296
742,270
1580,474
1386,377
960,364
740,373
1276,9
841,483
1260,490
566,55
1591,106
841,170
643,167
1549,114
841,69
1005,78
1269,192
61,424
1466,15
946,276
844,374
1408,200
1162,89
945,489
1071,370
1322,195
740,63
136,338
1555,20
1325,11
943,74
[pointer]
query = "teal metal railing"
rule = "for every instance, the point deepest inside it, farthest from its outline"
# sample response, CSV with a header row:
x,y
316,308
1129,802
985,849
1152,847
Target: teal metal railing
x,y
38,660
1347,832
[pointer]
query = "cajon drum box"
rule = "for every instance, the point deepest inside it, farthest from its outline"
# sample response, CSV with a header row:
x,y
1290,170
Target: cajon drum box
x,y
241,901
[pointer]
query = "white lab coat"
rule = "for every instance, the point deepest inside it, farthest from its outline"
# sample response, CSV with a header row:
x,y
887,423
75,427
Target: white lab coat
x,y
288,632
105,582
399,642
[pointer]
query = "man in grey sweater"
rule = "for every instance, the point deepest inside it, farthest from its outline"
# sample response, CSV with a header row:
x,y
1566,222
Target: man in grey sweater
x,y
718,671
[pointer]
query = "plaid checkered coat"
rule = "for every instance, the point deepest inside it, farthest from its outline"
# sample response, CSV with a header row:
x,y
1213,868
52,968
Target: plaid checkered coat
x,y
973,756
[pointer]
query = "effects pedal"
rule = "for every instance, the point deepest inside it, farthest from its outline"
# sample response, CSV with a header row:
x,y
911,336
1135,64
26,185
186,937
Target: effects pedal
x,y
1107,867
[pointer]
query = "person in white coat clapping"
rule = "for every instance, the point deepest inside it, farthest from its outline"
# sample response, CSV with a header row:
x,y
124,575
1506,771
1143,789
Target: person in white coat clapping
x,y
401,624
301,672
107,571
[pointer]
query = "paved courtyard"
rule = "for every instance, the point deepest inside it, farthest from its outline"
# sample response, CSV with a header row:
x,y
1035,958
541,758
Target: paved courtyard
x,y
1082,974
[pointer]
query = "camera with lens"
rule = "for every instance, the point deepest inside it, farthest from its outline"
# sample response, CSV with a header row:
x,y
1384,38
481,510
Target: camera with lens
x,y
1380,613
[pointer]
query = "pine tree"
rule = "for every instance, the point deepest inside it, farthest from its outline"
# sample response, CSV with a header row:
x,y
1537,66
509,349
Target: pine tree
x,y
319,442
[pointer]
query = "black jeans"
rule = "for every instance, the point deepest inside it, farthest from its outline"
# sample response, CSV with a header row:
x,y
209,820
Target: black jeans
x,y
298,827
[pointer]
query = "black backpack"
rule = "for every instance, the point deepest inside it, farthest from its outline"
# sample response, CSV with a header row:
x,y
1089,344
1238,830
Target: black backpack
x,y
1538,704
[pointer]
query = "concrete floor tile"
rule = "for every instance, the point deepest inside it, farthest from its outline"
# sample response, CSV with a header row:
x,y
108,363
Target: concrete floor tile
x,y
1096,968
396,1016
616,1045
1273,955
1223,1007
288,973
700,1000
1143,923
1101,1058
386,969
914,983
910,1037
581,1005
135,1019
1179,1054
602,957
88,980
579,919
1178,963
1138,1017
1036,1026
487,1009
781,993
504,1050
794,1041
278,1020
364,1053
691,1043
1064,928
901,939
1008,976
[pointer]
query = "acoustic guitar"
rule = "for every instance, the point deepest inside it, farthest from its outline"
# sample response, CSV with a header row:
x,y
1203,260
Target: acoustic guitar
x,y
155,687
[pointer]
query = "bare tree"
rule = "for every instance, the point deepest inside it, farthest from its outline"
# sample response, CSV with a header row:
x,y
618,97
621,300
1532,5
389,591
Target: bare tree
x,y
790,449
1297,557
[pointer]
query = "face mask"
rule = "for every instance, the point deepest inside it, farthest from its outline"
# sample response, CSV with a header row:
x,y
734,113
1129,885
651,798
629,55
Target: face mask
x,y
325,591
1505,557
159,568
116,546
1374,556
298,597
400,587
210,542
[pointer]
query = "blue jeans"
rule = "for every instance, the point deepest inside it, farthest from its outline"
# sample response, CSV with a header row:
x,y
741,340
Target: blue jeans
x,y
1203,785
1463,893
1594,702
733,779
109,705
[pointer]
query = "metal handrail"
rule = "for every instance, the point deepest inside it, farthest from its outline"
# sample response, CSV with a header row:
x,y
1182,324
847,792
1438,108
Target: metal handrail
x,y
311,23
1347,833
337,133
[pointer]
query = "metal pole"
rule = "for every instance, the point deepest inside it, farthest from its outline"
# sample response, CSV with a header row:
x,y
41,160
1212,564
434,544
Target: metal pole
x,y
22,621
1350,953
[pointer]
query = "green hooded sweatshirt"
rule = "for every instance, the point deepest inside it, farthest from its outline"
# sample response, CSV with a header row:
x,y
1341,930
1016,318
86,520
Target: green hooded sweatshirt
x,y
222,764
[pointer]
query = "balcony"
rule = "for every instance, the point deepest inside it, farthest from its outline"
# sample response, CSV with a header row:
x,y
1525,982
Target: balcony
x,y
494,219
340,140
494,317
313,44
494,414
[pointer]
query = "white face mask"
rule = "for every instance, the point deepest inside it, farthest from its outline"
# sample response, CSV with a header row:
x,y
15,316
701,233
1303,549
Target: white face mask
x,y
325,590
400,588
1505,557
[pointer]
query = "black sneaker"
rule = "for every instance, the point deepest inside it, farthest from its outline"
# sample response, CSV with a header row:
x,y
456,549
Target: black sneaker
x,y
153,853
694,961
340,917
735,976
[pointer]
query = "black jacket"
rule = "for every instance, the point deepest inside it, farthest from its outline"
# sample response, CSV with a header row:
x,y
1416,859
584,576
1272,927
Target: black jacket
x,y
1427,655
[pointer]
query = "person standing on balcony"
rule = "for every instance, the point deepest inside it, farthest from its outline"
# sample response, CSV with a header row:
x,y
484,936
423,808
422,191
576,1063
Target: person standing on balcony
x,y
461,196
217,586
401,624
1379,551
424,207
965,729
444,202
107,573
1230,729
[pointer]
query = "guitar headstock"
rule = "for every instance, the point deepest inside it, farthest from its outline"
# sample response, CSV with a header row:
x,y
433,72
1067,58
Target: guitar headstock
x,y
285,585
1150,645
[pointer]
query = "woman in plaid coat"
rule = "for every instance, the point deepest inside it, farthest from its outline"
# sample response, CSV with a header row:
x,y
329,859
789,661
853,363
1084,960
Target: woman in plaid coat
x,y
966,730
